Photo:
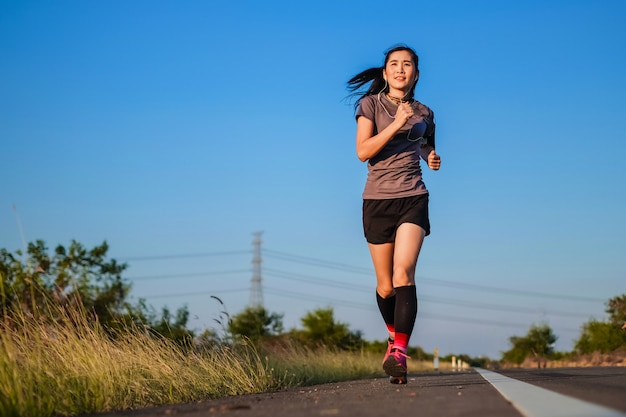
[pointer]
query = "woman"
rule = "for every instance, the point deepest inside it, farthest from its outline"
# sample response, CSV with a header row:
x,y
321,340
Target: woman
x,y
393,132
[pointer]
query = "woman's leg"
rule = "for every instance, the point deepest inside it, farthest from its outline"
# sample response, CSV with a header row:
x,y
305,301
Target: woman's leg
x,y
394,265
408,243
382,257
409,239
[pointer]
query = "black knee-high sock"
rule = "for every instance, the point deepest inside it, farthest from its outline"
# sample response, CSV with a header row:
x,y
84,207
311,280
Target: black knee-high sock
x,y
405,314
387,307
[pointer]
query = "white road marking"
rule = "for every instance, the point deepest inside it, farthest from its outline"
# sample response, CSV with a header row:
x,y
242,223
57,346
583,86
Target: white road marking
x,y
533,401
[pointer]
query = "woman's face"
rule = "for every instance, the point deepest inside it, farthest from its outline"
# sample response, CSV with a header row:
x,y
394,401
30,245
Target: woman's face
x,y
400,71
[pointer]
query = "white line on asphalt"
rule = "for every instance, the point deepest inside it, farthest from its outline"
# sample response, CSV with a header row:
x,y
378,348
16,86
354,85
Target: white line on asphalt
x,y
533,401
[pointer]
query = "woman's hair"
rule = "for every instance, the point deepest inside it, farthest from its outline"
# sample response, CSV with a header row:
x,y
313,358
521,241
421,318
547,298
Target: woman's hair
x,y
374,76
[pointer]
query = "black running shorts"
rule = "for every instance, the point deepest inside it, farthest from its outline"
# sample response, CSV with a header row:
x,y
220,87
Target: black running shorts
x,y
381,218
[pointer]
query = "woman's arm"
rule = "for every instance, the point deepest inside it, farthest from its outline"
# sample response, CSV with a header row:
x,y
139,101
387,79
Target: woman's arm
x,y
429,155
368,144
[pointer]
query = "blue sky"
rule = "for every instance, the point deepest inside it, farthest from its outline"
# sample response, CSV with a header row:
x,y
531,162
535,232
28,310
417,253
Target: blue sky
x,y
174,131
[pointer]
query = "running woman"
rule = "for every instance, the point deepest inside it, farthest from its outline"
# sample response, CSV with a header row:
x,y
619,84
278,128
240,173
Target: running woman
x,y
393,132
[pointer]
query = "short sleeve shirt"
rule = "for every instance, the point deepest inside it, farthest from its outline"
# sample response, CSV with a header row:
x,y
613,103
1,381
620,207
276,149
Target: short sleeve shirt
x,y
395,171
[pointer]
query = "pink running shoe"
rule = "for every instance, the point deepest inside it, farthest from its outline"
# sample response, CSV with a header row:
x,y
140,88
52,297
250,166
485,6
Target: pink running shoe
x,y
395,366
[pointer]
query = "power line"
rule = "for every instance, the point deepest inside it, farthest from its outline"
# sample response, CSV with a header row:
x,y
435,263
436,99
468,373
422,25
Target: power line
x,y
456,319
194,294
344,303
368,271
298,259
316,262
499,290
314,280
366,289
310,297
349,304
183,255
437,300
446,283
499,307
367,307
187,275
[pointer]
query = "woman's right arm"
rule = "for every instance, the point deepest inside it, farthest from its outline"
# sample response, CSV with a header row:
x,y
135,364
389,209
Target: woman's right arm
x,y
368,144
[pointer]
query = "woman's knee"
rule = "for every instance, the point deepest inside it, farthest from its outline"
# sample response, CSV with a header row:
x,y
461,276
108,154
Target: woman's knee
x,y
384,291
403,276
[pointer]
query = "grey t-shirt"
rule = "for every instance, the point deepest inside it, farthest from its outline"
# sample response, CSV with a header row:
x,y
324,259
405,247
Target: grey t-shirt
x,y
395,171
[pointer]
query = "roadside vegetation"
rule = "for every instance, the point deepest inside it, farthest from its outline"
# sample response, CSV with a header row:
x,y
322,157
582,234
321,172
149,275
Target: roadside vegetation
x,y
73,365
71,343
600,343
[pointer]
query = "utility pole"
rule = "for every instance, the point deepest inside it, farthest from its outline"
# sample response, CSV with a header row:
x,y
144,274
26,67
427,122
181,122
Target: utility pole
x,y
256,289
21,230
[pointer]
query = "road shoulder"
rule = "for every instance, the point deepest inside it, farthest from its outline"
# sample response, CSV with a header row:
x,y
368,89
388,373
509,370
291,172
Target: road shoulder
x,y
432,394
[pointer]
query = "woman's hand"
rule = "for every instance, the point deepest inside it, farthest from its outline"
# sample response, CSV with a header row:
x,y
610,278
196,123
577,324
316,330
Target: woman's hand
x,y
404,113
434,160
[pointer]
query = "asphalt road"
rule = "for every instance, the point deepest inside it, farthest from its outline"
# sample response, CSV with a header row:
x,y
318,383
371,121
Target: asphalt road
x,y
571,392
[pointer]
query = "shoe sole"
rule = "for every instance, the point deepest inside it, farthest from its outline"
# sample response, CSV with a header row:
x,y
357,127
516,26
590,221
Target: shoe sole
x,y
396,372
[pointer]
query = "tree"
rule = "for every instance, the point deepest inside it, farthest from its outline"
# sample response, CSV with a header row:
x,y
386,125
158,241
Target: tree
x,y
256,323
537,343
170,326
518,351
320,328
74,278
541,341
599,336
605,336
616,308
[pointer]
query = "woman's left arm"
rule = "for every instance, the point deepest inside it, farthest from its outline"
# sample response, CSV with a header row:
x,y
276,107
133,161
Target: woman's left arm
x,y
429,155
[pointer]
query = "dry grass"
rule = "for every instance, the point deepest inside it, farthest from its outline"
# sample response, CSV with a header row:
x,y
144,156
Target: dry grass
x,y
302,366
73,367
47,369
617,358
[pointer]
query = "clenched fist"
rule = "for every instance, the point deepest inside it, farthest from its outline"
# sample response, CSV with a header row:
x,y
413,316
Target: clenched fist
x,y
434,161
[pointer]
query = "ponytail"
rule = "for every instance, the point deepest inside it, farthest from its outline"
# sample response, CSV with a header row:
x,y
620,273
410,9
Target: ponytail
x,y
371,75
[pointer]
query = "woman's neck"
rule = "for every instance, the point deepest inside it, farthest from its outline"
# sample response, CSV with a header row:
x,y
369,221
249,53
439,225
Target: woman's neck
x,y
397,99
398,95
